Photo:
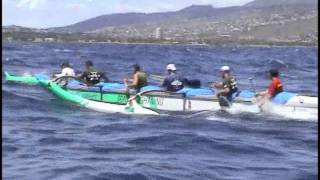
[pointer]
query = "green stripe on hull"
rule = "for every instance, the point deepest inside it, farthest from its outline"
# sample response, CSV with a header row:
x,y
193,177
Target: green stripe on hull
x,y
148,101
152,102
61,93
96,96
116,98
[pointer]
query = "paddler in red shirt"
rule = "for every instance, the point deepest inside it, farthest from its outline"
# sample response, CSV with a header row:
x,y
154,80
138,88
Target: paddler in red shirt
x,y
275,86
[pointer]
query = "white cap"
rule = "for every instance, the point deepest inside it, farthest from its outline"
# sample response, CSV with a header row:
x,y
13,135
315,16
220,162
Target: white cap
x,y
225,68
171,67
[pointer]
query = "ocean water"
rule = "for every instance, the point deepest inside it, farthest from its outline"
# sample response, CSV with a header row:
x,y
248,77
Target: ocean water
x,y
46,138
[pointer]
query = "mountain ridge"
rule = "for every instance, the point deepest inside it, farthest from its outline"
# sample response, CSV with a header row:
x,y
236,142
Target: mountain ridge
x,y
190,12
267,21
268,3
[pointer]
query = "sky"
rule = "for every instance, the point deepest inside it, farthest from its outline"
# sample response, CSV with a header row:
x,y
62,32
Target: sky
x,y
55,13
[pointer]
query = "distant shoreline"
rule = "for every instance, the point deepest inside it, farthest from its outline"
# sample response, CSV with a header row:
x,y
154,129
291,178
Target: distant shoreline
x,y
178,44
212,45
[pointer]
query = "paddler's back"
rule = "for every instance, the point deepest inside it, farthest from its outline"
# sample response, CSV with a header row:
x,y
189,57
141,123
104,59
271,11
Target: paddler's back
x,y
142,79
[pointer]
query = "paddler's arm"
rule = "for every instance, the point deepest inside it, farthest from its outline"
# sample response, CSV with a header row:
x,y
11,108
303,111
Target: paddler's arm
x,y
164,83
128,80
134,82
218,85
264,93
225,91
268,92
56,76
104,77
81,77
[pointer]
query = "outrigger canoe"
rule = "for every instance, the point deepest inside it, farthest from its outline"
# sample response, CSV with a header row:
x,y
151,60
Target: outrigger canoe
x,y
187,99
65,95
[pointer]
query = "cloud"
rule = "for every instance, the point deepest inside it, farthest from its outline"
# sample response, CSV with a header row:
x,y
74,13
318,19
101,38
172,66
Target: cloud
x,y
31,4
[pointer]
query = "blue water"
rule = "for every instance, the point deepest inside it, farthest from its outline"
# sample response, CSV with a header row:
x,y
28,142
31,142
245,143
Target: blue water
x,y
45,138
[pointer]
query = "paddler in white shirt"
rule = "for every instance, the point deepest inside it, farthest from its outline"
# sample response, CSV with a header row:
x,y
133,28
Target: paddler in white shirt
x,y
66,70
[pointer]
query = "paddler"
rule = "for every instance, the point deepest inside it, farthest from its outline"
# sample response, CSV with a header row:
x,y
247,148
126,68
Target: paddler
x,y
172,81
66,70
139,79
227,87
91,76
275,86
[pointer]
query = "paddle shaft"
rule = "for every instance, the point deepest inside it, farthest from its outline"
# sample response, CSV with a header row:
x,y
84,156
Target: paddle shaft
x,y
156,77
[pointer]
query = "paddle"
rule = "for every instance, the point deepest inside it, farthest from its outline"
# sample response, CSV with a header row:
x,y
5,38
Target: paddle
x,y
211,84
258,101
252,85
156,77
145,92
61,77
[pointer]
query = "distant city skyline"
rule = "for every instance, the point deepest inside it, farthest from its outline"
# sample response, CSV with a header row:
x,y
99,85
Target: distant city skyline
x,y
55,13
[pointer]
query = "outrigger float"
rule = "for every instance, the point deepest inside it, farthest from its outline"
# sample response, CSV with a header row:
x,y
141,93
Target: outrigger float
x,y
112,97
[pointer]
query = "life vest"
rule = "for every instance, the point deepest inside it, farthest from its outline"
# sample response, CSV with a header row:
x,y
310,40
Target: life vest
x,y
275,87
92,77
232,85
173,83
142,80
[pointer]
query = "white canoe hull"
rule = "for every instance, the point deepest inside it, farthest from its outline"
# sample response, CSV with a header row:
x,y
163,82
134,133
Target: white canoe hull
x,y
116,108
296,112
298,106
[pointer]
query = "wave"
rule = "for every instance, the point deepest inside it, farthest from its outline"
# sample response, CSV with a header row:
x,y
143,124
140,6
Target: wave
x,y
55,141
9,149
113,175
277,63
268,112
14,61
23,98
63,50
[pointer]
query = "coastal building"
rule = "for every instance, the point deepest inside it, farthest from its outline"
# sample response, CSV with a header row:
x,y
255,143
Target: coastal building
x,y
49,39
38,39
157,33
9,39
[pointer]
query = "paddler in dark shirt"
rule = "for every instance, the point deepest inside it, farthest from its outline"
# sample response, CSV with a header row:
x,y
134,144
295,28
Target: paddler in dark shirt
x,y
227,87
91,76
172,82
139,79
